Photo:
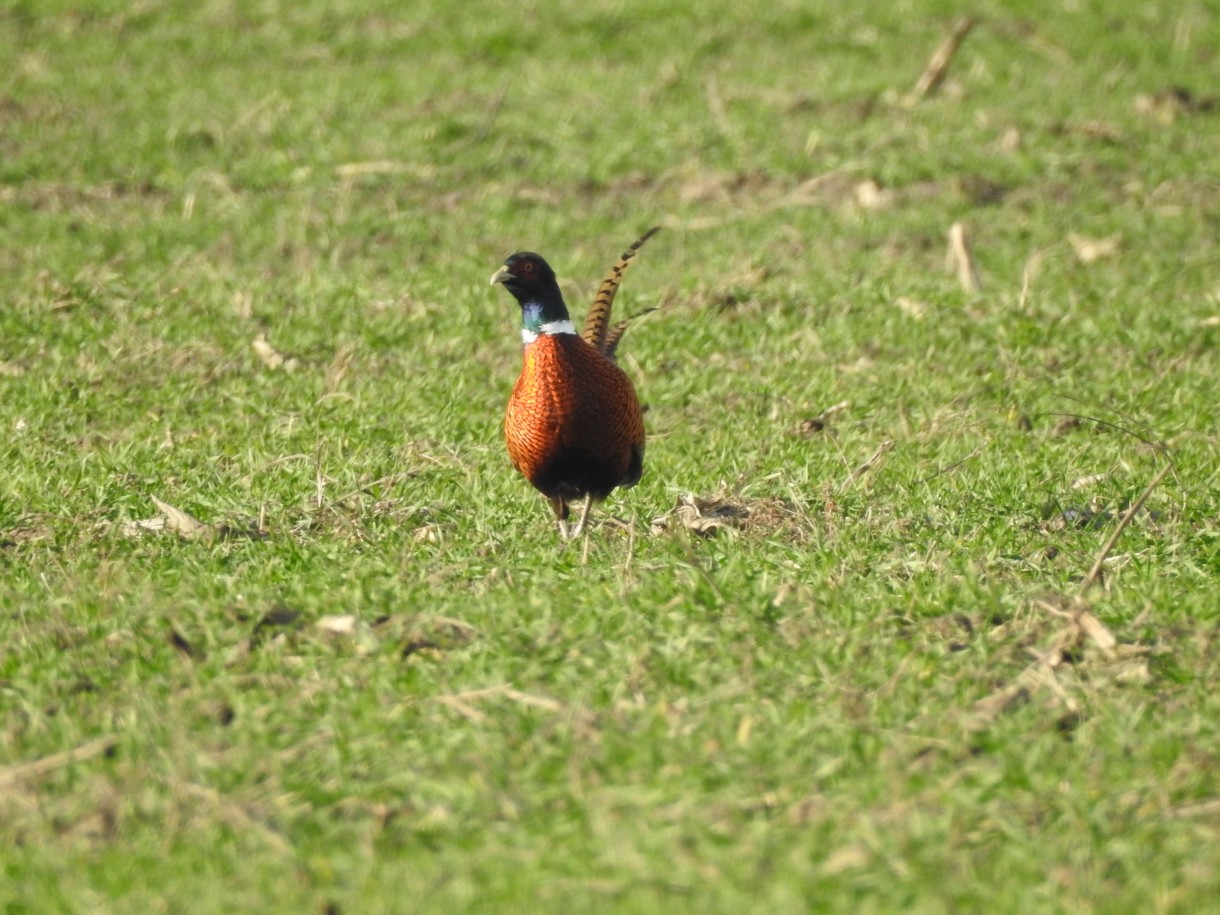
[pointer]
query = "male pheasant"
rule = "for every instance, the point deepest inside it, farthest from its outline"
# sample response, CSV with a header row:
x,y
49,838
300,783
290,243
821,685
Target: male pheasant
x,y
574,426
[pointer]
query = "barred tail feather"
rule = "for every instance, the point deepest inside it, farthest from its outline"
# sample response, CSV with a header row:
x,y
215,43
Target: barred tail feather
x,y
615,334
597,331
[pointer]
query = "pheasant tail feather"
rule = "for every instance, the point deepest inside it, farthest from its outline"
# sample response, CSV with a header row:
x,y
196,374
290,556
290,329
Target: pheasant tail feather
x,y
597,331
615,334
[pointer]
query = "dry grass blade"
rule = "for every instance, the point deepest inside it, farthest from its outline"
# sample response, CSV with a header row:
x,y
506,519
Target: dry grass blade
x,y
1208,808
344,624
271,357
1034,677
1083,622
460,702
868,465
818,423
708,516
467,711
708,519
39,767
992,706
1041,674
1128,515
180,522
1088,250
238,817
542,702
1096,630
961,259
381,167
1037,676
338,368
938,64
455,624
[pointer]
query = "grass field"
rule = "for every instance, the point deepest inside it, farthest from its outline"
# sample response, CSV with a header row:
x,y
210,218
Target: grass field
x,y
364,676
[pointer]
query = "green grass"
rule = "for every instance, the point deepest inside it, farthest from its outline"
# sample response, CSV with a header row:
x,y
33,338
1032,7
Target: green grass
x,y
782,717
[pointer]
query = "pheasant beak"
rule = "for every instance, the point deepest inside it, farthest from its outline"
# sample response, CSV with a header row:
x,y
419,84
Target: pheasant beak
x,y
503,275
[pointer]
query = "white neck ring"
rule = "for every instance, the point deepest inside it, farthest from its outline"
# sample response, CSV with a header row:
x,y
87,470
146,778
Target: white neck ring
x,y
550,328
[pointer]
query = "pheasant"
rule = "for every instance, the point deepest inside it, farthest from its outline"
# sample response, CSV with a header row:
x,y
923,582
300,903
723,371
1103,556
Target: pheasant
x,y
574,426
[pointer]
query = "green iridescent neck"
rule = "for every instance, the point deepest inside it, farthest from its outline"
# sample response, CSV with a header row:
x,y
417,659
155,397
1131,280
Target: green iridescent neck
x,y
537,320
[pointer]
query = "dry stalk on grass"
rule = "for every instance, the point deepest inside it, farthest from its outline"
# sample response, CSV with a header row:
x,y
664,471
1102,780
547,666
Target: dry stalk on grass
x,y
460,702
1130,513
47,764
1083,625
868,465
962,260
237,817
938,64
